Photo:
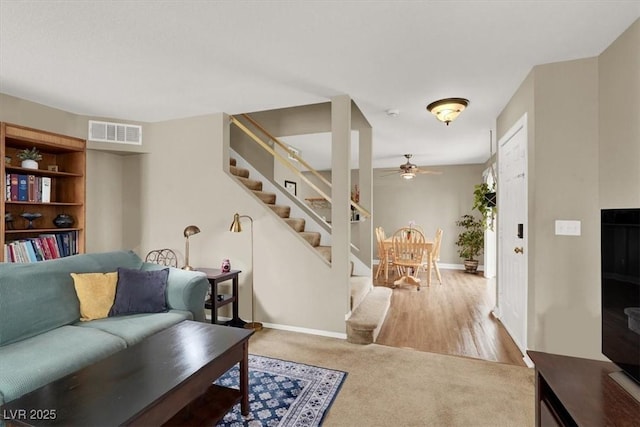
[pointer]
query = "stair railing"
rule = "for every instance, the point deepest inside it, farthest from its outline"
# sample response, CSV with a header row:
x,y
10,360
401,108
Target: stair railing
x,y
287,163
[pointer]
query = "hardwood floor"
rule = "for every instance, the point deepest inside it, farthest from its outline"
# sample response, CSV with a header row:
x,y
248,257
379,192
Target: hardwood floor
x,y
452,318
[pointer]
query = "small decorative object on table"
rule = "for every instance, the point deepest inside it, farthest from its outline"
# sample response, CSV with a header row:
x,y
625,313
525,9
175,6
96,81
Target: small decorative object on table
x,y
8,220
30,158
30,217
412,225
226,266
7,160
63,221
52,168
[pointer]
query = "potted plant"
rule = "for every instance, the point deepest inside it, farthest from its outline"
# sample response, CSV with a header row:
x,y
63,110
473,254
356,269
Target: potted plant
x,y
470,241
30,158
484,200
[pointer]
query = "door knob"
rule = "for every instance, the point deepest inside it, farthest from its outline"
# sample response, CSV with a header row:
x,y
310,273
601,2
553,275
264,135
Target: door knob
x,y
518,250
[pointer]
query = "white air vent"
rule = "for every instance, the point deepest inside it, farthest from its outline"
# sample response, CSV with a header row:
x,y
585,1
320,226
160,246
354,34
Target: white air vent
x,y
115,132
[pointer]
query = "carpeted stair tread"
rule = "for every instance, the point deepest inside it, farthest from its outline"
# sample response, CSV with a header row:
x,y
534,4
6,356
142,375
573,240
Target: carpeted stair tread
x,y
239,171
282,211
325,251
297,224
267,198
366,320
251,184
359,287
312,237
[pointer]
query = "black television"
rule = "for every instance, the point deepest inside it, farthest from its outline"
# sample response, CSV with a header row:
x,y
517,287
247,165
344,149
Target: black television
x,y
620,253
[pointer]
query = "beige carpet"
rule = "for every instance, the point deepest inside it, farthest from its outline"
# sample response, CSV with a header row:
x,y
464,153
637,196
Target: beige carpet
x,y
388,386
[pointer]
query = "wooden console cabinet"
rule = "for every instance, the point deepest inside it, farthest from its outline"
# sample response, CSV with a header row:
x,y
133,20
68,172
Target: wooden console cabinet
x,y
571,391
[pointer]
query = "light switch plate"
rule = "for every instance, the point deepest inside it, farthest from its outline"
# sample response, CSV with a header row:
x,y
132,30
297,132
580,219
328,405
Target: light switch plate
x,y
567,227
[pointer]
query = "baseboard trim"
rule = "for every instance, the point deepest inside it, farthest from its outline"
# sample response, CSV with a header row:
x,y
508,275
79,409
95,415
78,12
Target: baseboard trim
x,y
339,335
442,266
293,329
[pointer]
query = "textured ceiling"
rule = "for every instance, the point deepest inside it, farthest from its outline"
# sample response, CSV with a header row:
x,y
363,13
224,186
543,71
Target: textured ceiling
x,y
152,61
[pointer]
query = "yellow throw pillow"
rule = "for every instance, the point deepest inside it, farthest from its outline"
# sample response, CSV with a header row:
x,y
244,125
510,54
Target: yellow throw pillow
x,y
96,292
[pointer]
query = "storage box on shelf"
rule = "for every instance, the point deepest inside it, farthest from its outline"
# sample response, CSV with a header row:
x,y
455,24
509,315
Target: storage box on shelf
x,y
66,194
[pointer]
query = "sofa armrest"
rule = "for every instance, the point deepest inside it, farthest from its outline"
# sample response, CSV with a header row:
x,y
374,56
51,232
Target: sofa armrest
x,y
186,290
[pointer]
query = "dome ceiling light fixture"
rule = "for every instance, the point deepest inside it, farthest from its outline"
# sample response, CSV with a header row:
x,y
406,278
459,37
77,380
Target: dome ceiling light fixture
x,y
446,110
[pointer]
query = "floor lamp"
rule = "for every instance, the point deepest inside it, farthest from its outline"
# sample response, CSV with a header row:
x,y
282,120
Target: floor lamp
x,y
189,231
236,227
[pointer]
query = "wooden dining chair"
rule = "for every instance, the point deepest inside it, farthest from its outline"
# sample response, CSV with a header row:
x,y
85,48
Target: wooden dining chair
x,y
383,254
420,229
408,251
435,257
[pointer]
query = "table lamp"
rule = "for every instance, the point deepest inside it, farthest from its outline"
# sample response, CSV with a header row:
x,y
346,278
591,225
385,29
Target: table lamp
x,y
236,227
188,232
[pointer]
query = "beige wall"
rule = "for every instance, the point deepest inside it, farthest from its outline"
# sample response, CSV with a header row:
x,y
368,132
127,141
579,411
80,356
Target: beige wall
x,y
182,189
619,121
432,201
572,134
564,186
104,204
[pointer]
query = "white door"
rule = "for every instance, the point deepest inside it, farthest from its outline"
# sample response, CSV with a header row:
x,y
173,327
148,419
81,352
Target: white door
x,y
513,233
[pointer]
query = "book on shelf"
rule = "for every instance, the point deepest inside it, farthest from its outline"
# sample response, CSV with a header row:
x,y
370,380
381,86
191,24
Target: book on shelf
x,y
43,247
28,188
46,189
31,188
23,188
14,187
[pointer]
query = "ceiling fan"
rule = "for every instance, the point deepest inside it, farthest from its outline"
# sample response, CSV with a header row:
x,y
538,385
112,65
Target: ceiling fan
x,y
409,170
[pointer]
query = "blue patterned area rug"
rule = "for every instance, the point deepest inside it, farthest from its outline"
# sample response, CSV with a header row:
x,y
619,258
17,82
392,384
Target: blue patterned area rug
x,y
283,393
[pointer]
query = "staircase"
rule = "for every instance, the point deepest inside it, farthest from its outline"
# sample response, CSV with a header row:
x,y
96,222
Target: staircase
x,y
283,211
369,304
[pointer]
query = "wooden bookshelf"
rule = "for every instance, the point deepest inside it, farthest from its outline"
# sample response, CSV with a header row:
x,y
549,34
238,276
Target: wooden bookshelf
x,y
68,183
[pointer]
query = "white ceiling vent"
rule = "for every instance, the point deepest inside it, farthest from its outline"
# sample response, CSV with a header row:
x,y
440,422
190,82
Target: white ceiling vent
x,y
115,132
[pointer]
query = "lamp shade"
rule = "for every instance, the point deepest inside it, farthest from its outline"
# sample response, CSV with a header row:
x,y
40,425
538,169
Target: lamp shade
x,y
190,230
446,110
236,227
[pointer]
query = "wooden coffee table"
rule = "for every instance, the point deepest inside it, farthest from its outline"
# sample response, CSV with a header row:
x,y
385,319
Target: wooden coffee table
x,y
165,378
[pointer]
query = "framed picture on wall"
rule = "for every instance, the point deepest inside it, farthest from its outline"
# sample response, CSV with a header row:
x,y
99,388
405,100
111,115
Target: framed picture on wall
x,y
291,187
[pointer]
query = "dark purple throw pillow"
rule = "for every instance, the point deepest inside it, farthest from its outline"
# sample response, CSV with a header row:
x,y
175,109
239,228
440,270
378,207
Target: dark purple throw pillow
x,y
140,292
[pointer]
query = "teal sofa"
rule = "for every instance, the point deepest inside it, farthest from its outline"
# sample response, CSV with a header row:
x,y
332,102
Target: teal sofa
x,y
41,336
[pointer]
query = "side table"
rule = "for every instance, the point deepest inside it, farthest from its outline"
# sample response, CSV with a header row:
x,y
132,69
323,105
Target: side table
x,y
217,300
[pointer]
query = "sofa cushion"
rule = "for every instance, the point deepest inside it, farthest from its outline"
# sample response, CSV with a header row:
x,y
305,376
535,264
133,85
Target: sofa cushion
x,y
39,297
96,293
36,361
140,292
186,289
136,327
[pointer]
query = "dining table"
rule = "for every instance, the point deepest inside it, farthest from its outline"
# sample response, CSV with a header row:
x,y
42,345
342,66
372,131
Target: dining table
x,y
406,278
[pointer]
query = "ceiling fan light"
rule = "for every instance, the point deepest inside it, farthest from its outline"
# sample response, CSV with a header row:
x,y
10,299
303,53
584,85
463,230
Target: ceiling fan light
x,y
408,175
446,110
